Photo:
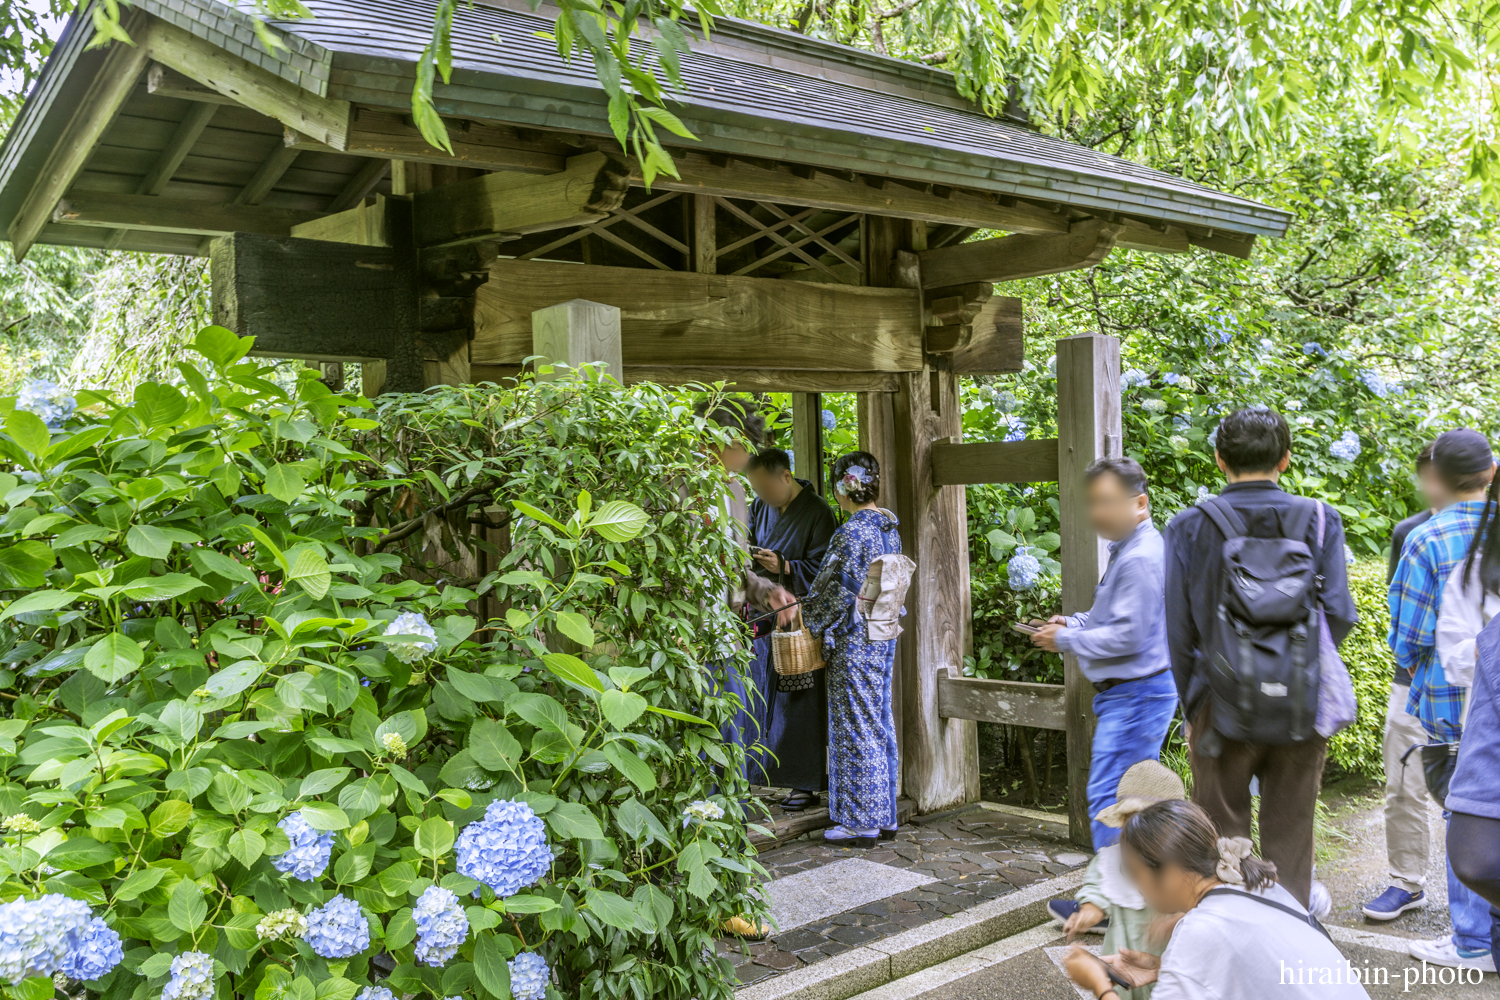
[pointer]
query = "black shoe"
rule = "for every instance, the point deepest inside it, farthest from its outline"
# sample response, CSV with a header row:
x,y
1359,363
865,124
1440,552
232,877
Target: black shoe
x,y
888,834
799,800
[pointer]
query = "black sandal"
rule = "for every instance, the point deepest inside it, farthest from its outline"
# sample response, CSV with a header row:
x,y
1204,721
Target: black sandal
x,y
799,800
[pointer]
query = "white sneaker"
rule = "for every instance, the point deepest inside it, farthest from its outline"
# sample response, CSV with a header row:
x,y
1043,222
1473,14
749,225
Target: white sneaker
x,y
1442,951
1319,903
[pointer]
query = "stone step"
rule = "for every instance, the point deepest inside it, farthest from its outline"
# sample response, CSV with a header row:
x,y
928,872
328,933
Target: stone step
x,y
867,968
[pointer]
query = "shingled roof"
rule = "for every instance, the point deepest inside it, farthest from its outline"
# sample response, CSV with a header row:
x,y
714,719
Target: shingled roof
x,y
753,92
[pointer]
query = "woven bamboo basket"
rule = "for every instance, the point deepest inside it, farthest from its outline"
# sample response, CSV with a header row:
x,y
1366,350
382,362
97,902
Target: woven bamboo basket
x,y
796,651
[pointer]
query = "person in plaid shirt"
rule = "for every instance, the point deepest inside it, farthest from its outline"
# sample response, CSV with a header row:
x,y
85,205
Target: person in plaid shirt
x,y
1464,460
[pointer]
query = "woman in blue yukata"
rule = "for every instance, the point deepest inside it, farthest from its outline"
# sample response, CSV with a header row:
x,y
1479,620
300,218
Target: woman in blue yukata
x,y
862,761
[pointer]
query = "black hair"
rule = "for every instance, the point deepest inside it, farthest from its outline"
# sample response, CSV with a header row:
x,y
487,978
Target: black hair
x,y
1486,545
771,460
1178,832
1424,457
867,492
736,415
1127,470
1253,440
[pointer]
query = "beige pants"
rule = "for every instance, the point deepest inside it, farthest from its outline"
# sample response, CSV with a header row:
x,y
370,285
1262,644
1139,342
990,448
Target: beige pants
x,y
1407,838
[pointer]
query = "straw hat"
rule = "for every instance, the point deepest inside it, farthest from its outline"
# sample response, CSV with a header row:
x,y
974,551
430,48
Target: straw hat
x,y
1142,785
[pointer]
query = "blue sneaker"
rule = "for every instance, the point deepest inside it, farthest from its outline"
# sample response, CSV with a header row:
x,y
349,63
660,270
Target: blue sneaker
x,y
1393,902
1062,909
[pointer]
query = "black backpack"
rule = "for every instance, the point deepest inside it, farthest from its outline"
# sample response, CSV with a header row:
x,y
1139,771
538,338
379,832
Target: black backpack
x,y
1262,648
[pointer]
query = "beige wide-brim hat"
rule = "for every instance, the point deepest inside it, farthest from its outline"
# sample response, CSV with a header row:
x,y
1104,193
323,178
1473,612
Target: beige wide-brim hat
x,y
1141,785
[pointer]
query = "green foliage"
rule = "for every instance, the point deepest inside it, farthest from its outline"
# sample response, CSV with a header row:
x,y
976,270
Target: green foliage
x,y
1367,654
195,609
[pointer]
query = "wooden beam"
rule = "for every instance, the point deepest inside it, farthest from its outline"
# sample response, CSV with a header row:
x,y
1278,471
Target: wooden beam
x,y
184,137
678,319
1088,427
165,82
1139,236
765,379
817,189
309,299
976,462
1010,258
578,333
807,438
322,118
71,150
592,186
997,341
173,215
483,146
705,234
360,185
267,175
362,224
1225,243
1010,703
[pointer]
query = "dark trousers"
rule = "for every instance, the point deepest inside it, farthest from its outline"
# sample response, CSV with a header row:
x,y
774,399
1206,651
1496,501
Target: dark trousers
x,y
1474,853
1290,777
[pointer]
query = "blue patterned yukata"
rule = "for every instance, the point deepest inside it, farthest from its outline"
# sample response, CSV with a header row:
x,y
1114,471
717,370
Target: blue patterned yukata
x,y
862,761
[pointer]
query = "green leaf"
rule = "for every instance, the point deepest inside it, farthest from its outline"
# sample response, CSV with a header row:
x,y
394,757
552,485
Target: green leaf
x,y
23,565
235,678
530,904
610,908
158,405
172,816
160,588
208,561
149,541
44,600
114,657
619,521
679,716
29,431
33,988
360,798
537,515
433,838
246,846
622,708
310,570
354,864
221,346
322,816
571,668
337,988
475,687
407,780
139,882
401,930
574,821
575,627
285,483
186,908
490,966
395,879
632,767
541,711
321,781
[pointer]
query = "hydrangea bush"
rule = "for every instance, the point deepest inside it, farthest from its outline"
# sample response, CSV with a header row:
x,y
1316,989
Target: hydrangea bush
x,y
314,698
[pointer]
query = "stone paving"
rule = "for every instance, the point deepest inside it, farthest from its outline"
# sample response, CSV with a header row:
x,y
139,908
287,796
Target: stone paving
x,y
971,856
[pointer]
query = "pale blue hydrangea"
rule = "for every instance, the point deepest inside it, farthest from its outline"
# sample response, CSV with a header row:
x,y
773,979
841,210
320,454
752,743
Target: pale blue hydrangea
x,y
1005,401
375,993
1181,421
1023,570
94,952
338,929
1213,438
1376,383
1134,378
192,977
830,420
1292,404
1178,442
528,976
1029,491
1313,347
1348,555
1346,448
37,935
1203,494
701,811
1154,405
441,925
1267,345
1015,428
411,623
307,858
47,400
1172,378
507,850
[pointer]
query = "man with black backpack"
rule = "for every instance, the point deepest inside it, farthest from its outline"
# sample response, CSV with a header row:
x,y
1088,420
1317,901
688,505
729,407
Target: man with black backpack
x,y
1247,573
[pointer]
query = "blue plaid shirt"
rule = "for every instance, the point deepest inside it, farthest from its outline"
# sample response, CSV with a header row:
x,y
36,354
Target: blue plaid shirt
x,y
1431,552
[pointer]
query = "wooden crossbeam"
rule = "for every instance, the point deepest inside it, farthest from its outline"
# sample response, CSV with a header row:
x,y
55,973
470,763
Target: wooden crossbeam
x,y
975,462
787,245
592,187
360,185
164,81
271,170
184,137
1010,258
172,215
765,379
620,214
818,237
70,151
487,147
1012,703
679,319
997,341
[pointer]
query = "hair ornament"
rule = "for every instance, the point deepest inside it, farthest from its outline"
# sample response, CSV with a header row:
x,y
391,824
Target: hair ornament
x,y
853,478
1233,850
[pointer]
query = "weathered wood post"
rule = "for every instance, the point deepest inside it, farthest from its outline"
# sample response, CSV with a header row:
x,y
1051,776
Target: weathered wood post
x,y
807,437
1088,427
578,333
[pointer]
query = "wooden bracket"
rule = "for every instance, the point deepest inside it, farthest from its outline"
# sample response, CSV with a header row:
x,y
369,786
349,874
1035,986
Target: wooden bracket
x,y
1010,258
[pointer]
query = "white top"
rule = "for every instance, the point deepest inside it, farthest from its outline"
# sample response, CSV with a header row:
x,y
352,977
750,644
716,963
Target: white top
x,y
1237,949
1464,612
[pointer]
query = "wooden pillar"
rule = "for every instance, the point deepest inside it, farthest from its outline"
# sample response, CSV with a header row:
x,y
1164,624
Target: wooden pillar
x,y
807,437
578,333
1088,427
705,236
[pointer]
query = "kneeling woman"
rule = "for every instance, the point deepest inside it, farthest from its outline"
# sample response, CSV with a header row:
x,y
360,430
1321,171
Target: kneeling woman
x,y
862,762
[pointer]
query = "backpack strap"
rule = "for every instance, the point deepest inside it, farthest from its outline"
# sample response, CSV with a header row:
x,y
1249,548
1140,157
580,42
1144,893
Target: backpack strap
x,y
1300,517
1306,918
1223,514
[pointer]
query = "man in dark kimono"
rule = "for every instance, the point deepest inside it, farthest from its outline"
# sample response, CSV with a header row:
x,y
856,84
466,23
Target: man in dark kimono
x,y
790,526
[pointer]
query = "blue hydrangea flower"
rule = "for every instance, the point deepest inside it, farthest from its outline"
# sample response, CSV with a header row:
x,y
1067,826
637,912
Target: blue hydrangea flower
x,y
1203,494
1134,378
1181,421
37,935
94,953
375,993
528,976
1213,438
1346,448
307,858
1172,378
507,850
411,623
1313,347
1348,555
1154,405
441,925
1376,383
192,977
1267,345
1028,491
830,421
338,929
1016,429
47,400
1005,401
1023,570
